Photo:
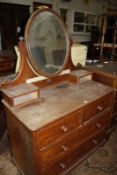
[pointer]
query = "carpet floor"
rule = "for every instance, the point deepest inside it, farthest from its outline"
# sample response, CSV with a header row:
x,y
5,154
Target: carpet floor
x,y
102,162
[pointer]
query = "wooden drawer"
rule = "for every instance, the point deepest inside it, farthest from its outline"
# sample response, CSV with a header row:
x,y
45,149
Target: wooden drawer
x,y
97,107
97,124
60,128
73,141
75,155
94,141
61,150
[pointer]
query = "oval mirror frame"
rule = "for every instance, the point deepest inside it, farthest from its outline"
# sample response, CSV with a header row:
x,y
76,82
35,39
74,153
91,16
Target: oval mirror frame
x,y
33,64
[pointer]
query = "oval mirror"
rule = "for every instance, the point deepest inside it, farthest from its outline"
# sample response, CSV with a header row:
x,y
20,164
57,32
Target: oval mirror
x,y
47,42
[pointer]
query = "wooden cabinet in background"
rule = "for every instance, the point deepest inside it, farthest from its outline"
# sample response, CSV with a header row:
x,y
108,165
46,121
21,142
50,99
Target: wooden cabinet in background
x,y
108,42
7,63
13,18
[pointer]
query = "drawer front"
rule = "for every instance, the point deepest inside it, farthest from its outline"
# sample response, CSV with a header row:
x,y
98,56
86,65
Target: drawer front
x,y
62,165
94,141
60,128
60,150
73,141
97,107
96,124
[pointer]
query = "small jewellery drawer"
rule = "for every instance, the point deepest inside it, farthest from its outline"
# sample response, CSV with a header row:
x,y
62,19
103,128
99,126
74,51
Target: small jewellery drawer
x,y
97,107
59,128
62,165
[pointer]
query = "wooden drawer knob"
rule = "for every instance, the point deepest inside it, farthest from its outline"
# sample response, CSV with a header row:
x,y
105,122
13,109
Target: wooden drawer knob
x,y
99,108
95,142
63,128
62,165
64,148
98,125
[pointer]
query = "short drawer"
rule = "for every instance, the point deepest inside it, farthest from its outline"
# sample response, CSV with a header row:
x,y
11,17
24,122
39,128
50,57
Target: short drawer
x,y
94,141
59,128
62,165
97,107
96,124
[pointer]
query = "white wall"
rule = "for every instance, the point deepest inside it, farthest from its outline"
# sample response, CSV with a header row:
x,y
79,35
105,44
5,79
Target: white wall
x,y
94,6
26,2
44,1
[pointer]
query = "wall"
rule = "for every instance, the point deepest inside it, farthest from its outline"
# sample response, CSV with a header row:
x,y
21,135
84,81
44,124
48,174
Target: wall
x,y
93,6
26,2
96,6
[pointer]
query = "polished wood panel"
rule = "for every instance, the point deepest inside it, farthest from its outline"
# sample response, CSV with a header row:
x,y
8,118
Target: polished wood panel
x,y
21,141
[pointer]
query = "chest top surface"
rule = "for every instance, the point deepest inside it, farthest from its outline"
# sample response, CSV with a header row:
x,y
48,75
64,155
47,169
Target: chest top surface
x,y
57,101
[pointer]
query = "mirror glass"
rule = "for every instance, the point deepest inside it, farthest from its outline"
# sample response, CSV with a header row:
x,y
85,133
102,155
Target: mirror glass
x,y
47,42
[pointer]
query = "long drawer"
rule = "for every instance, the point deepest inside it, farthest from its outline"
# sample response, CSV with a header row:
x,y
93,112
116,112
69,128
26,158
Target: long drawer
x,y
71,142
59,129
61,165
97,107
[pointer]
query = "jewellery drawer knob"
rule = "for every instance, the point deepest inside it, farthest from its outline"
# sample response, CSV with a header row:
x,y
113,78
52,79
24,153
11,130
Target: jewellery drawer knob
x,y
64,148
64,128
98,125
99,108
62,165
95,142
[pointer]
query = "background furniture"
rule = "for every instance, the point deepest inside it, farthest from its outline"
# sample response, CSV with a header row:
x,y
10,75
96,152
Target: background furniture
x,y
7,62
14,16
108,46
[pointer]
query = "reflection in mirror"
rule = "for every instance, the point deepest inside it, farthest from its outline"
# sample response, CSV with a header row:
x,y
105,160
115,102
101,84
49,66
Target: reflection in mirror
x,y
48,43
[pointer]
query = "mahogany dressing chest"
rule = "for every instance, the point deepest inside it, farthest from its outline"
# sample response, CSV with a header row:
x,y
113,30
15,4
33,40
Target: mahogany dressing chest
x,y
55,117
